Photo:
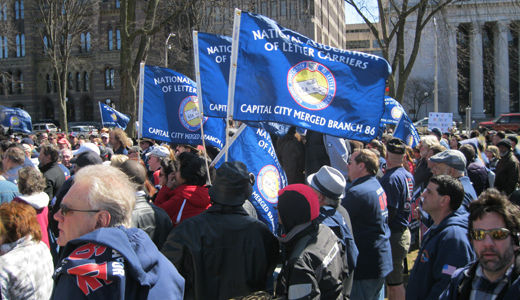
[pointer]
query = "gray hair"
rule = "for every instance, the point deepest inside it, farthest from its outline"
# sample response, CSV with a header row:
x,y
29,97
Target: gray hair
x,y
109,189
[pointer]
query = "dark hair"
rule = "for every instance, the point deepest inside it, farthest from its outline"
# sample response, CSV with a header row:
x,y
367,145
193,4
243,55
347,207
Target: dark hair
x,y
19,220
449,186
51,150
370,159
135,171
192,168
491,200
469,153
501,134
169,166
15,154
30,181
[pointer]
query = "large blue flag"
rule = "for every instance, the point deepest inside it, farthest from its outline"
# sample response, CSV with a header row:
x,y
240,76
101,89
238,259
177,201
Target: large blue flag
x,y
405,130
111,117
254,148
393,111
15,118
282,76
168,110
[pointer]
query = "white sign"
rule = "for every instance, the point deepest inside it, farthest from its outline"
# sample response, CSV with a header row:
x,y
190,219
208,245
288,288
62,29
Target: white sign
x,y
443,121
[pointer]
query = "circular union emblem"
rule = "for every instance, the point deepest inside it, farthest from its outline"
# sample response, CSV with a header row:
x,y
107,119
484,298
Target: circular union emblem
x,y
114,117
15,121
268,183
311,85
396,113
189,113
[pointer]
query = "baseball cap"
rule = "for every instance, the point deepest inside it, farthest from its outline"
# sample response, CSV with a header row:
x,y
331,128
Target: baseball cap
x,y
87,147
159,151
86,159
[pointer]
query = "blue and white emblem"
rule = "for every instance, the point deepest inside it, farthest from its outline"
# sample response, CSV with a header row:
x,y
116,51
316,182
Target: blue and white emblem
x,y
311,85
268,183
189,115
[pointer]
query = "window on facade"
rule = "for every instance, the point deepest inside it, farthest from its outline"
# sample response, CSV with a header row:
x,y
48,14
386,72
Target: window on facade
x,y
110,40
78,81
274,8
86,82
358,44
70,82
21,9
20,45
10,82
109,78
3,12
263,8
17,10
87,42
49,83
118,4
2,84
19,83
55,83
6,49
45,44
375,44
283,8
118,39
1,47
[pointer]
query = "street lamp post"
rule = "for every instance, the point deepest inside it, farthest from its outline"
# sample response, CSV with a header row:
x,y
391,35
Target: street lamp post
x,y
166,47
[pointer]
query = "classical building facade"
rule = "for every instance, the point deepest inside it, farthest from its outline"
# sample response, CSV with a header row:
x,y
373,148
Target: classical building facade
x,y
477,57
29,82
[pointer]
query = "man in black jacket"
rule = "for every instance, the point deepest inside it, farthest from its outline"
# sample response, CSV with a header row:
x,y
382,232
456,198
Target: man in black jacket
x,y
223,252
51,171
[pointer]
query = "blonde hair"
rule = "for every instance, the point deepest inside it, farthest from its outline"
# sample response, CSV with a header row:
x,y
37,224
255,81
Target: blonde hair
x,y
117,160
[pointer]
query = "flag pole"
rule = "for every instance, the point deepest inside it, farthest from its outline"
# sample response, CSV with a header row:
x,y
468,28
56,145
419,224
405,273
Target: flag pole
x,y
140,108
232,75
226,147
200,107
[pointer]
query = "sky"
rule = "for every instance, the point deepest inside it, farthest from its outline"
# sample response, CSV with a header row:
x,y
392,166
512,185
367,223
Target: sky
x,y
352,17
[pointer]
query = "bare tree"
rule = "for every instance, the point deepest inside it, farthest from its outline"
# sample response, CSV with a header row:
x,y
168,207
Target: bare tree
x,y
7,33
138,30
419,93
393,17
60,24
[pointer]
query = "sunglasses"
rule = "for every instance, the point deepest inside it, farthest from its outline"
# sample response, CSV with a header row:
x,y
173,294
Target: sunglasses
x,y
65,210
495,234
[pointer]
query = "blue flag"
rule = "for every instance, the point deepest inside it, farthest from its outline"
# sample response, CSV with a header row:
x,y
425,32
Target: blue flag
x,y
393,111
405,130
213,52
169,110
15,118
111,117
254,148
283,76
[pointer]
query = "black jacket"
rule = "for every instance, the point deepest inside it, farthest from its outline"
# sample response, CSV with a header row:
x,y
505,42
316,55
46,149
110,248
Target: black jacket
x,y
54,178
313,266
506,174
222,253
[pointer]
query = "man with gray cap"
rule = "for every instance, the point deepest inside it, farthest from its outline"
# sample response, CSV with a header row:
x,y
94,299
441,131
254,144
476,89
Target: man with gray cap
x,y
506,172
453,163
329,184
398,185
223,252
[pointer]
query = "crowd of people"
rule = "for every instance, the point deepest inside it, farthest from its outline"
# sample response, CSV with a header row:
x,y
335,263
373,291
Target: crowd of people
x,y
109,217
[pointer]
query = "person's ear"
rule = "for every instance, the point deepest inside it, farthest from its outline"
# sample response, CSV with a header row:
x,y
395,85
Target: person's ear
x,y
103,219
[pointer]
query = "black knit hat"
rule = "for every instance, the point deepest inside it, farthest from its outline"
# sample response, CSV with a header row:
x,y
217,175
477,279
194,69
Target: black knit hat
x,y
396,146
233,184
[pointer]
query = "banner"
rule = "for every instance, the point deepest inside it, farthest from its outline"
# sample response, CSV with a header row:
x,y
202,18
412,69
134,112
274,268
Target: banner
x,y
15,118
111,117
393,111
168,110
282,76
254,148
405,130
443,121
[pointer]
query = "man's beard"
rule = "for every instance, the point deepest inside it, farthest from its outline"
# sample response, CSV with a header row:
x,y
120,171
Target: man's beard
x,y
499,263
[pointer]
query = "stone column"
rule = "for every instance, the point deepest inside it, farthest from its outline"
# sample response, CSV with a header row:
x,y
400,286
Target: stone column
x,y
476,72
451,73
501,68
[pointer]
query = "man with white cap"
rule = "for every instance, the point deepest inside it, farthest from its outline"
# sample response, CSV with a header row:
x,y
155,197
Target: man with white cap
x,y
398,185
158,154
329,184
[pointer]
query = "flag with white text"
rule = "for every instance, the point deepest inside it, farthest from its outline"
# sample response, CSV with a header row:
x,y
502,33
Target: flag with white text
x,y
405,130
169,111
393,111
283,76
111,117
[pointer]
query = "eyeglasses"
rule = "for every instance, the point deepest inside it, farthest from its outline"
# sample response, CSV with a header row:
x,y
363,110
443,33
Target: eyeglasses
x,y
65,210
495,234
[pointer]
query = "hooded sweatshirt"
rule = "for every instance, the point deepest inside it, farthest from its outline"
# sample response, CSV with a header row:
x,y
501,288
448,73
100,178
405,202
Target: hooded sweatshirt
x,y
116,263
39,201
445,248
183,202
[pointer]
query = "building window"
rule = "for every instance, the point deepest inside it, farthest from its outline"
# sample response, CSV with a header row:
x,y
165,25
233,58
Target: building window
x,y
18,10
78,81
3,12
109,78
358,44
118,39
3,47
263,8
375,44
85,42
55,83
283,8
70,83
49,83
118,4
110,40
86,82
19,83
10,82
45,44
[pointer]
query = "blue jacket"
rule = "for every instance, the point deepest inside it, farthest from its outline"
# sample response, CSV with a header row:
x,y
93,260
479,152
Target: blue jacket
x,y
115,263
398,185
365,202
445,247
470,194
461,280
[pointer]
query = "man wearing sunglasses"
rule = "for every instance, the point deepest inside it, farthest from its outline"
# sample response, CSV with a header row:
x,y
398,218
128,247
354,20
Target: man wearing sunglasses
x,y
494,226
102,257
445,246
